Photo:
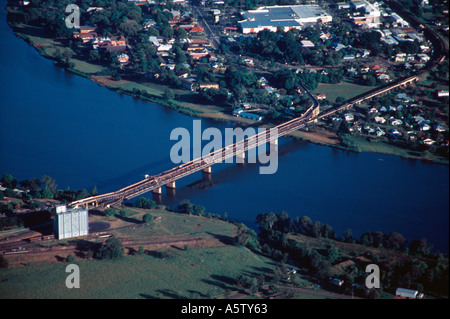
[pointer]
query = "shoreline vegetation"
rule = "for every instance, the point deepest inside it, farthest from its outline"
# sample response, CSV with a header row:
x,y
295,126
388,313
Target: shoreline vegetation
x,y
290,258
150,91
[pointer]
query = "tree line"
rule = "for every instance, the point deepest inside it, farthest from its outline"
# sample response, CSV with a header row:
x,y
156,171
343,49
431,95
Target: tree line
x,y
423,270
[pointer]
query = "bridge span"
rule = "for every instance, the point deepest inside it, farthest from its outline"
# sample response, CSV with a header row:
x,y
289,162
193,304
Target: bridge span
x,y
168,178
156,182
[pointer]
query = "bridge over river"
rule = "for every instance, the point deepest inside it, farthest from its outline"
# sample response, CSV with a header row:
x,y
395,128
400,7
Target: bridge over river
x,y
156,182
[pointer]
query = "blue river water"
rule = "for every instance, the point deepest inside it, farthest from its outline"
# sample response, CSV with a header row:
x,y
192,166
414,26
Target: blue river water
x,y
58,124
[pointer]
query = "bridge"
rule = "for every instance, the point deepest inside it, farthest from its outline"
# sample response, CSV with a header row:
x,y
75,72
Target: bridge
x,y
156,182
168,178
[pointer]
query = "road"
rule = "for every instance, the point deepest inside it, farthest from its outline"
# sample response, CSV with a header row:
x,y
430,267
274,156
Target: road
x,y
211,31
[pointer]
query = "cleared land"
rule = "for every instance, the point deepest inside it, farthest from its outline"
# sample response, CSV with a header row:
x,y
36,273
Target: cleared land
x,y
175,269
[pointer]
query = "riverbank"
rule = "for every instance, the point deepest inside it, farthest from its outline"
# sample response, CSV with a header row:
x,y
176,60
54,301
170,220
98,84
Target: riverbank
x,y
154,92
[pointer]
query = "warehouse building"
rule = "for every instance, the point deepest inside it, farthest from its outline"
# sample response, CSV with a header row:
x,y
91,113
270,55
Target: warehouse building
x,y
284,17
72,222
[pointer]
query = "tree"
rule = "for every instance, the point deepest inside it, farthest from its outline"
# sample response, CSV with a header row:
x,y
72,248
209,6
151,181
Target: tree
x,y
340,100
419,247
111,249
8,181
46,193
168,94
266,221
70,258
370,80
396,241
284,222
246,237
185,207
94,55
109,212
332,254
147,203
129,28
347,236
49,182
147,218
305,226
94,191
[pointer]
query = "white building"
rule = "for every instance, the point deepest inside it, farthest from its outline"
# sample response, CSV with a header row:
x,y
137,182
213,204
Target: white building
x,y
72,222
284,17
408,293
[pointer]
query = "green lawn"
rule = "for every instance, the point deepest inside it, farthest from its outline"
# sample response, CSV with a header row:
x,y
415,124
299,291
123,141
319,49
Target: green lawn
x,y
192,273
345,89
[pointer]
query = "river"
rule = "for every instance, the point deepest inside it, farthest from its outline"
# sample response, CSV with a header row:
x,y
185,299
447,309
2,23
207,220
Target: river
x,y
58,124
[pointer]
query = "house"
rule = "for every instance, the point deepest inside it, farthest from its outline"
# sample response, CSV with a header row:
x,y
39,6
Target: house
x,y
252,116
402,293
395,122
403,97
379,119
337,282
384,77
392,108
307,44
379,132
117,48
439,128
424,126
428,141
400,57
349,57
442,93
423,57
248,62
85,37
164,48
87,29
208,85
321,96
349,117
339,47
395,134
123,58
118,40
188,84
375,67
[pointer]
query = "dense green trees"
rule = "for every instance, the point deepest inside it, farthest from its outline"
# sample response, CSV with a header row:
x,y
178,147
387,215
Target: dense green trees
x,y
111,249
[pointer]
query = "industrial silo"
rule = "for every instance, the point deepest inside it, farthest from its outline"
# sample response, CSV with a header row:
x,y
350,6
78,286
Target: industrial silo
x,y
70,222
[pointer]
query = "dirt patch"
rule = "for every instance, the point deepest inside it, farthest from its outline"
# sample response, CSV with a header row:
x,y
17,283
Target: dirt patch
x,y
319,136
107,80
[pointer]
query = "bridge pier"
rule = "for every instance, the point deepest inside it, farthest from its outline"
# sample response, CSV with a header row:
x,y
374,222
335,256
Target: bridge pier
x,y
207,170
157,190
240,158
170,185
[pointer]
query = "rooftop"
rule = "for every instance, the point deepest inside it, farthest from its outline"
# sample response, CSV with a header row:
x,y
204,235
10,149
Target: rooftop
x,y
282,16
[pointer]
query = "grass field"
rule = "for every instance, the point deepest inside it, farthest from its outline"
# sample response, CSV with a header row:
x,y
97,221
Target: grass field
x,y
345,89
192,273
